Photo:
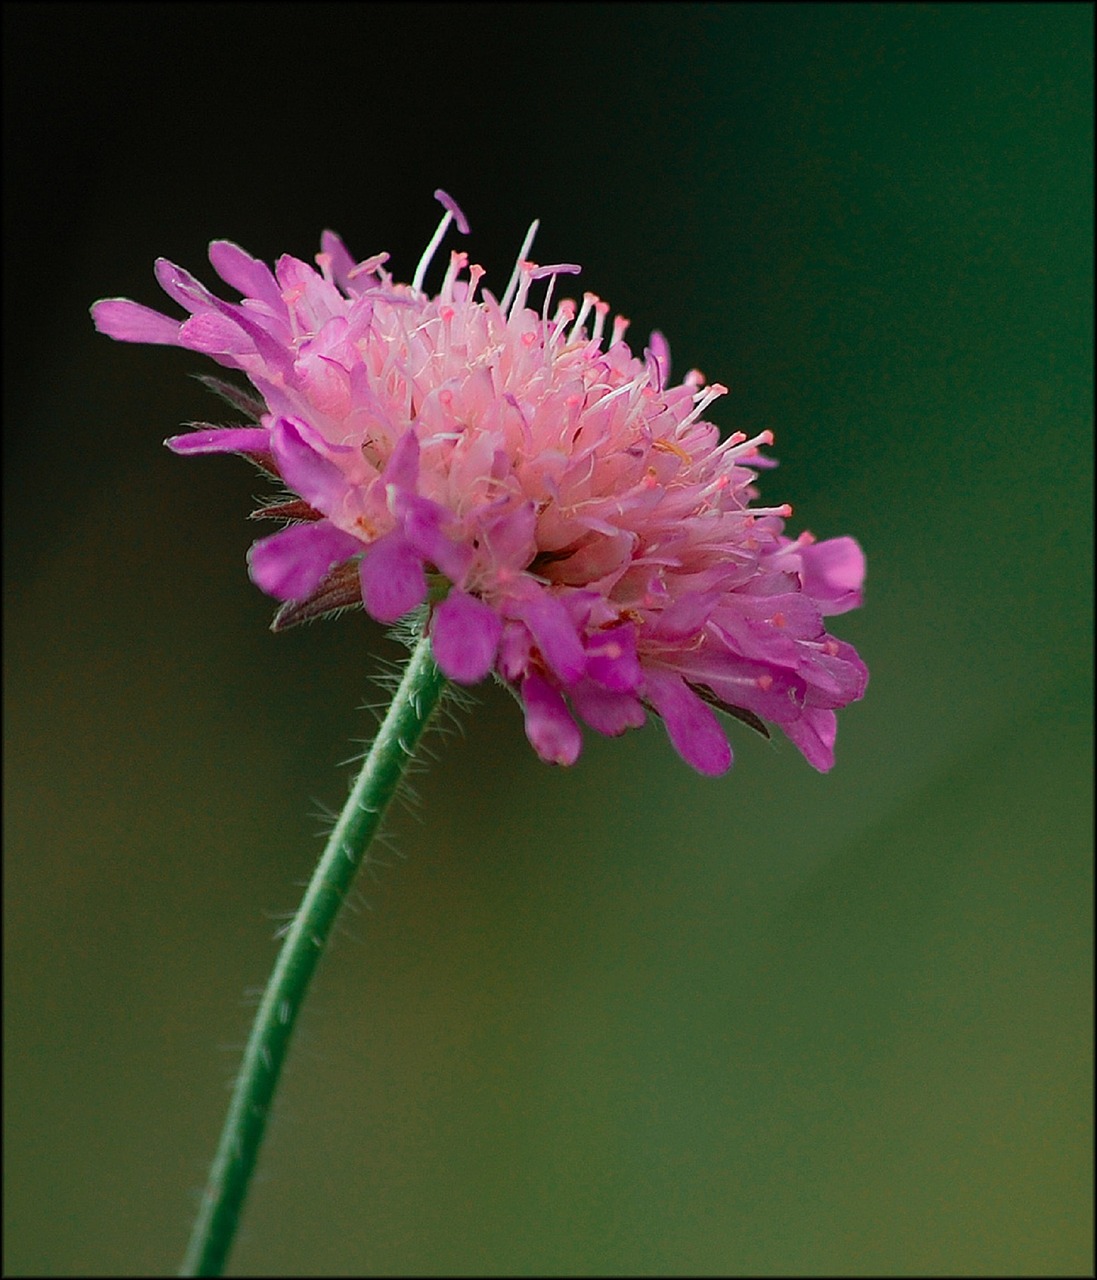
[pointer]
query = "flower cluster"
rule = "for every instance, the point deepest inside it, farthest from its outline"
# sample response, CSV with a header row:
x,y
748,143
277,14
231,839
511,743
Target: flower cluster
x,y
567,516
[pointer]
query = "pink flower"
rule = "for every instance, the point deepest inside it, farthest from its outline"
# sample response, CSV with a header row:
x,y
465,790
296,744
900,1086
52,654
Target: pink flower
x,y
565,515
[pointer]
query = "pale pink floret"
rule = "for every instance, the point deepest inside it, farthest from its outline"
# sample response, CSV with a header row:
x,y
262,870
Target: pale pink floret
x,y
569,518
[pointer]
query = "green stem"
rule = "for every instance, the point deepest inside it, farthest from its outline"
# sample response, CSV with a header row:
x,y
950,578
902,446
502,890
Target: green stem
x,y
388,758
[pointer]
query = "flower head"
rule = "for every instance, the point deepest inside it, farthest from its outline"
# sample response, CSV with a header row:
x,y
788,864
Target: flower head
x,y
567,516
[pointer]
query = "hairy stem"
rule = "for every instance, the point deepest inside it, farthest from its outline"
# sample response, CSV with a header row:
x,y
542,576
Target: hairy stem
x,y
388,758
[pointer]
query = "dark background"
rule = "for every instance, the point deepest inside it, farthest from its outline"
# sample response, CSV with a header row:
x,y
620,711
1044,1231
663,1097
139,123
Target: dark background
x,y
614,1018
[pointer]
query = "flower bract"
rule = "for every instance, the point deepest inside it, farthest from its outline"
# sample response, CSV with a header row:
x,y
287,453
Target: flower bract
x,y
567,516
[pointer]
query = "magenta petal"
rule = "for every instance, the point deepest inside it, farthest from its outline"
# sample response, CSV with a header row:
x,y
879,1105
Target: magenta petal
x,y
660,353
692,725
552,732
222,440
422,525
342,264
553,630
402,468
215,335
609,712
464,635
304,469
814,733
182,287
252,278
392,578
291,564
612,660
833,572
128,321
686,616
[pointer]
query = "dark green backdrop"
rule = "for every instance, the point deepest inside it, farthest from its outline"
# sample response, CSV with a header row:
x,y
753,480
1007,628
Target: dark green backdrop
x,y
617,1018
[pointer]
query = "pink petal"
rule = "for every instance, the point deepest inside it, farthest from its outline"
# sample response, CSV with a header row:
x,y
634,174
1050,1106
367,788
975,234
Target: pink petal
x,y
128,321
392,578
692,725
552,732
291,564
465,634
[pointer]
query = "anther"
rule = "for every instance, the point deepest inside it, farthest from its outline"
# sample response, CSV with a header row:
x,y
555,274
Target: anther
x,y
452,211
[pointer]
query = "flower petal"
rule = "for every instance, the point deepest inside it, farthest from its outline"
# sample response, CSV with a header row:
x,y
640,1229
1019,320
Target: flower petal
x,y
128,321
222,440
552,732
402,468
393,581
304,469
612,660
692,725
246,274
291,564
833,573
814,733
552,628
215,334
609,712
342,263
465,634
422,521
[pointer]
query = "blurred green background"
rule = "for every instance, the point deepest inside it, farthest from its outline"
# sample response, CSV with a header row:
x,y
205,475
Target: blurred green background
x,y
617,1018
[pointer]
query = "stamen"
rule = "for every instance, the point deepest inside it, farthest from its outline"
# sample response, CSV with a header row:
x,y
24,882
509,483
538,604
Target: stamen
x,y
476,274
367,266
525,275
737,444
589,299
548,299
706,398
447,202
458,260
601,310
784,511
565,314
452,212
522,253
559,268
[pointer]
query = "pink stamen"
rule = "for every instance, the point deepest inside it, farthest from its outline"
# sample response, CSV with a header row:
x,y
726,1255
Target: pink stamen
x,y
367,265
504,303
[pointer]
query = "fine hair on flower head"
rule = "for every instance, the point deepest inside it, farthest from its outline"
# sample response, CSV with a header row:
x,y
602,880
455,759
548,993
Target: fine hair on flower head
x,y
568,518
